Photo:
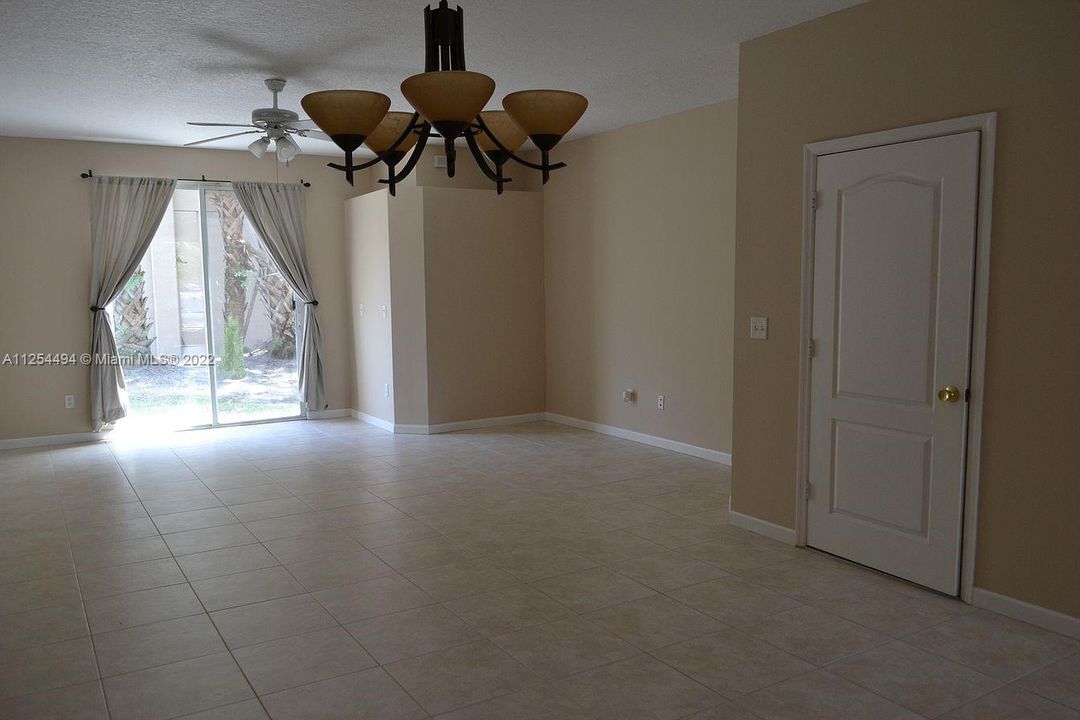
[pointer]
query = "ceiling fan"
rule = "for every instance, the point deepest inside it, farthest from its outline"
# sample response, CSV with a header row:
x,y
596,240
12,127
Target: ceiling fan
x,y
276,125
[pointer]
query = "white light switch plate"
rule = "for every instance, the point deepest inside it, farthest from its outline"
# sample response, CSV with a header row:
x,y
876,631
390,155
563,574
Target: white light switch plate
x,y
759,328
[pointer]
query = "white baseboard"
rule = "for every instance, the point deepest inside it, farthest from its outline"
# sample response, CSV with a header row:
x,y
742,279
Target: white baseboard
x,y
762,527
328,414
44,440
485,422
372,420
674,445
1026,612
405,429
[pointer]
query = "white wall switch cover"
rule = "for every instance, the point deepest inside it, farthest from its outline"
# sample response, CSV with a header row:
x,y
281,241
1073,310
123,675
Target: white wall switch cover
x,y
759,328
629,395
440,161
69,401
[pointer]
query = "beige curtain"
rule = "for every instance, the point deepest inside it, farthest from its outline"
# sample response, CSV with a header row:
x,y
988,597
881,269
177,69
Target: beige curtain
x,y
276,211
124,215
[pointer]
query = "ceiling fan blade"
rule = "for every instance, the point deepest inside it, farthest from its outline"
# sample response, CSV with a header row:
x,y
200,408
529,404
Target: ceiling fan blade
x,y
221,137
202,124
304,121
315,135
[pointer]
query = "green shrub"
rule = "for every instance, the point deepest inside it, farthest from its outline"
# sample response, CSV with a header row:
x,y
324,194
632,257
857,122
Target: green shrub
x,y
232,351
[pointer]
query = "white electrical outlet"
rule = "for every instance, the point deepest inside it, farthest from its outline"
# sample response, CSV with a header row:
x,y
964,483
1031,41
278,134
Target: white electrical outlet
x,y
386,389
629,395
69,402
759,328
361,309
659,402
382,309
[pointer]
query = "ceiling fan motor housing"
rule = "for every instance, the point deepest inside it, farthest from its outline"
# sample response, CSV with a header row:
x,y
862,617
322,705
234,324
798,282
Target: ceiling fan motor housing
x,y
273,116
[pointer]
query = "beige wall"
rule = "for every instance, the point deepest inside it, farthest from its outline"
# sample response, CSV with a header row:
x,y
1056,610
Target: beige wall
x,y
484,264
463,273
367,238
45,262
891,63
639,236
408,310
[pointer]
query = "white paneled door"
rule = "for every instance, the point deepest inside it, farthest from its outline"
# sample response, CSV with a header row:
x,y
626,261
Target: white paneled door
x,y
894,249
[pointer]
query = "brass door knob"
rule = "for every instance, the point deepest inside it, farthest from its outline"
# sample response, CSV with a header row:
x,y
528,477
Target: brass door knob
x,y
949,394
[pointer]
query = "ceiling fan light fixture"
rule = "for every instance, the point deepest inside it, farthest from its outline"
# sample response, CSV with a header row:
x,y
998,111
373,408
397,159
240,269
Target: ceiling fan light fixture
x,y
347,116
259,147
448,99
287,148
545,115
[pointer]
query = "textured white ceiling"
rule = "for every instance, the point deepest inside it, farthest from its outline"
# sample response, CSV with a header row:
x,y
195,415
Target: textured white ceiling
x,y
137,70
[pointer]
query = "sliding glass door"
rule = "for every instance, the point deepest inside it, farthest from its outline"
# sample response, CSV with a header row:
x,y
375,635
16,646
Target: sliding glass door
x,y
208,322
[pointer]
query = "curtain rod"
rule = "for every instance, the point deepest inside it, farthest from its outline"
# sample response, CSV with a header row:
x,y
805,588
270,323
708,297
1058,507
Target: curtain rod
x,y
90,174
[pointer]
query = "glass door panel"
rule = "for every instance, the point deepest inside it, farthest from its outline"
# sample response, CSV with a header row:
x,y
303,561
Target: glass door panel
x,y
252,311
207,288
161,326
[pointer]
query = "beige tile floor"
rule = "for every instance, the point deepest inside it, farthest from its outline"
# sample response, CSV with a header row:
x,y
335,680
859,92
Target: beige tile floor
x,y
331,570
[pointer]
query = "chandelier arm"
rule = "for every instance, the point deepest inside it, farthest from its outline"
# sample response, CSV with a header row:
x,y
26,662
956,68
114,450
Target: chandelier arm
x,y
481,161
354,168
414,123
380,157
391,166
510,153
495,175
418,150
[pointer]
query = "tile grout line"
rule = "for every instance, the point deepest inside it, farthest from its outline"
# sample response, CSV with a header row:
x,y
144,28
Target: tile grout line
x,y
332,616
607,565
434,603
676,549
197,598
82,604
361,644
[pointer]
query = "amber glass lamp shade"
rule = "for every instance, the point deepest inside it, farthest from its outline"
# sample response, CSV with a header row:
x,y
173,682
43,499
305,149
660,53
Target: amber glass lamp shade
x,y
545,115
448,99
347,116
505,130
386,134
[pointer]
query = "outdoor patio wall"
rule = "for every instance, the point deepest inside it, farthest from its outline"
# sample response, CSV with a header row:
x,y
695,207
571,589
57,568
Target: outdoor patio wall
x,y
887,64
45,263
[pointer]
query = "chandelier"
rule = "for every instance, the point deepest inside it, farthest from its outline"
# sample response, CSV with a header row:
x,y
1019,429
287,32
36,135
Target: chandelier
x,y
449,103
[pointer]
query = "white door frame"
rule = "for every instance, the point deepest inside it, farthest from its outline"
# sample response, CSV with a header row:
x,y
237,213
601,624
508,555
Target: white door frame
x,y
986,124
